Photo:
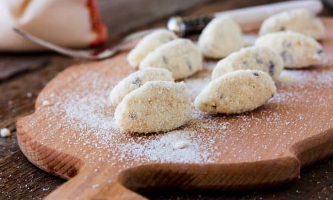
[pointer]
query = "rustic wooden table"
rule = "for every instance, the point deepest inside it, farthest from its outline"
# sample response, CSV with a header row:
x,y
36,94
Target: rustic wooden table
x,y
22,76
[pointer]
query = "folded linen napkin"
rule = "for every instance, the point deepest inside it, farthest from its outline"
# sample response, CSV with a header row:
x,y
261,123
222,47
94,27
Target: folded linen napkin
x,y
68,23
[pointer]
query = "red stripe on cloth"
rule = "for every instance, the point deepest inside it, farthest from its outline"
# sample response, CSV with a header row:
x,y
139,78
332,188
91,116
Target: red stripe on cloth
x,y
97,25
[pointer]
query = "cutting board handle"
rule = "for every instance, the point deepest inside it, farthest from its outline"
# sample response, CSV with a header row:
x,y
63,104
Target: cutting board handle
x,y
92,185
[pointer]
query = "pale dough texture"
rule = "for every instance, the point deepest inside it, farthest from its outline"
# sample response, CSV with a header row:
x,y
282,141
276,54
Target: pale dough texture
x,y
157,106
221,37
259,58
300,21
180,56
296,50
136,80
148,44
236,92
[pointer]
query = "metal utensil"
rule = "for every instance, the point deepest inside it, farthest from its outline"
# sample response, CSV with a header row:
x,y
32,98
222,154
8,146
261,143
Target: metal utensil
x,y
247,18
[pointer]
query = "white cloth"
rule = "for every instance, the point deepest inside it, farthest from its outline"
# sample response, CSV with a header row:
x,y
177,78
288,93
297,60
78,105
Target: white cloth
x,y
68,23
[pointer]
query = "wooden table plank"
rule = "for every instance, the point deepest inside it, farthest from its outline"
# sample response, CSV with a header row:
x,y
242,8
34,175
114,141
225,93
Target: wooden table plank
x,y
11,64
21,180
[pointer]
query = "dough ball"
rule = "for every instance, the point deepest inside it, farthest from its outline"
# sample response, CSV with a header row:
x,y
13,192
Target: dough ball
x,y
259,58
236,92
296,50
221,37
156,106
148,44
300,21
136,80
180,56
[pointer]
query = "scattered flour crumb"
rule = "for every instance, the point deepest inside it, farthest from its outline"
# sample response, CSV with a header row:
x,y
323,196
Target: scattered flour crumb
x,y
46,103
181,144
224,127
29,94
177,146
5,132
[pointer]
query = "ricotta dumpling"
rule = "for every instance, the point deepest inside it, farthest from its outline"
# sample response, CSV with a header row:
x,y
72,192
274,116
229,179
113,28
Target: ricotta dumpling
x,y
296,50
221,37
157,106
180,56
148,44
136,80
256,57
301,21
236,92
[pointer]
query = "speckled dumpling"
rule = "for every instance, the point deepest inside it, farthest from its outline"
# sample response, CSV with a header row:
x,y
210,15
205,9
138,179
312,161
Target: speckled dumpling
x,y
259,58
136,80
236,92
221,37
300,20
180,56
156,106
148,44
296,50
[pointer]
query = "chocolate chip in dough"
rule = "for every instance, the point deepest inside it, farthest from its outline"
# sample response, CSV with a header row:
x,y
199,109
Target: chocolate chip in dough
x,y
271,68
137,82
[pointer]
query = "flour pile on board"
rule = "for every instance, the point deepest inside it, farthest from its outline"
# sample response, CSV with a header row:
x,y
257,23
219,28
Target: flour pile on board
x,y
162,148
88,111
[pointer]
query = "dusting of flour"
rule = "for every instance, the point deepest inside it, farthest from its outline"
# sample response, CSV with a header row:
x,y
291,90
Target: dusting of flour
x,y
87,118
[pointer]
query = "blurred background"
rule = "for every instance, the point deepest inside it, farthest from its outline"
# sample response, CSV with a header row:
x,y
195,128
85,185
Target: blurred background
x,y
23,75
122,16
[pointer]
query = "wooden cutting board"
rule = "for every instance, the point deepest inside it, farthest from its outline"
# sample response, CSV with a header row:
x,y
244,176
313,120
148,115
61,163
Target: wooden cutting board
x,y
73,134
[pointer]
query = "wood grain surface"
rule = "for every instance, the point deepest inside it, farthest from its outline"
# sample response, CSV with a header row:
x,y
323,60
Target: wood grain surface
x,y
21,180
